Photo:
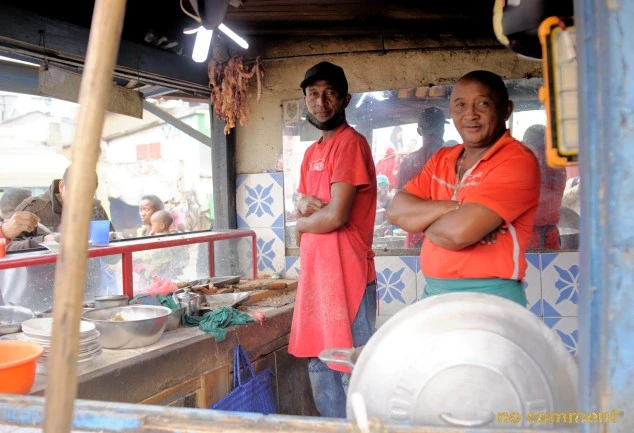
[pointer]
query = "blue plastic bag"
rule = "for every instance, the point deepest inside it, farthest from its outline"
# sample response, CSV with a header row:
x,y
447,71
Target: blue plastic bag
x,y
250,392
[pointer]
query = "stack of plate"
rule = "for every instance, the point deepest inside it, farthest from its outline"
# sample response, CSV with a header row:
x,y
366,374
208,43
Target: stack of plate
x,y
40,331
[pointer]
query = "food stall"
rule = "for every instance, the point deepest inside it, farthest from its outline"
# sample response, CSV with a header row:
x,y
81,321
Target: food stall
x,y
604,308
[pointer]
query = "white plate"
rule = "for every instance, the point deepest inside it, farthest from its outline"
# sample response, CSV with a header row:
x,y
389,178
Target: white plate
x,y
44,327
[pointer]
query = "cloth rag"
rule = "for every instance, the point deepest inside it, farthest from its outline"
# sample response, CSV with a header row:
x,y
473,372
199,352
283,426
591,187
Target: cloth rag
x,y
214,322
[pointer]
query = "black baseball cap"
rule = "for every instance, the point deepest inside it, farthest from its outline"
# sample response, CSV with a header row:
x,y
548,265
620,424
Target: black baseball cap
x,y
326,71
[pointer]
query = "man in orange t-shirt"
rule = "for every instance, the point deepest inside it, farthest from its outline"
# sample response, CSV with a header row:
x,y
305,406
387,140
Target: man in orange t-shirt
x,y
335,305
475,201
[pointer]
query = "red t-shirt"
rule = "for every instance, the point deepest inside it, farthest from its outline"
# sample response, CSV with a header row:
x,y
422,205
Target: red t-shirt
x,y
506,180
348,158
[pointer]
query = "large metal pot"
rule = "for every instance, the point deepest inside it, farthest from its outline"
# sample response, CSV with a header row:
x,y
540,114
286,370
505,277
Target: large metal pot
x,y
460,360
129,327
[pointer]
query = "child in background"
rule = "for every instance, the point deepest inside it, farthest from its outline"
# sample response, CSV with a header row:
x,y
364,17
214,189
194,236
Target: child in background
x,y
148,205
160,221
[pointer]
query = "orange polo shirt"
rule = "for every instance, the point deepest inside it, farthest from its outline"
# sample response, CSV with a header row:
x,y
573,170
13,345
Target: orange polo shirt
x,y
507,181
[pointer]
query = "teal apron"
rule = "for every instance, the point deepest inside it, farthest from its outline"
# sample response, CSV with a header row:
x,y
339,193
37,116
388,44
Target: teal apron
x,y
509,289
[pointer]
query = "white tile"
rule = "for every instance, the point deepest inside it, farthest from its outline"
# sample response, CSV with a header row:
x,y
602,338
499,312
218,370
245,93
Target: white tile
x,y
270,252
396,283
260,200
532,284
560,284
567,328
292,267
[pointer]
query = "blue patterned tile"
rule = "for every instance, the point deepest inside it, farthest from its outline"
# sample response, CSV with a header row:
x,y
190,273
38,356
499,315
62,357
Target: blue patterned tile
x,y
567,328
420,279
396,283
292,267
260,200
270,252
532,283
560,283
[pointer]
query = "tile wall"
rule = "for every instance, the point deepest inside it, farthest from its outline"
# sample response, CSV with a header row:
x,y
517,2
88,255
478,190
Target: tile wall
x,y
551,279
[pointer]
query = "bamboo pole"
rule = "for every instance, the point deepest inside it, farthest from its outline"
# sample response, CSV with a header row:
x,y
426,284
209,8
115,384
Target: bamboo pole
x,y
70,273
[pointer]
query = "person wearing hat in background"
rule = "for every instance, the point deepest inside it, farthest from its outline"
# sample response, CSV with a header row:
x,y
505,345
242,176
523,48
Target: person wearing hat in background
x,y
336,297
431,126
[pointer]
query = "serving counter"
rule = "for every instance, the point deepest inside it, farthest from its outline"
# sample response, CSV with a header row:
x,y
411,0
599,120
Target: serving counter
x,y
188,368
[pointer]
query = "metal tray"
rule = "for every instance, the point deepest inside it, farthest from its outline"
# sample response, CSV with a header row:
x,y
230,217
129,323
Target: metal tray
x,y
224,300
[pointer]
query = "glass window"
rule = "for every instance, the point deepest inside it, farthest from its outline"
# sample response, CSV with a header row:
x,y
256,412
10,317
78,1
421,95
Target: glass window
x,y
139,158
404,128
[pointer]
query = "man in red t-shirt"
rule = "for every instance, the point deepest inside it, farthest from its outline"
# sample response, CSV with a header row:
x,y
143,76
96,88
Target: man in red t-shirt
x,y
336,296
467,192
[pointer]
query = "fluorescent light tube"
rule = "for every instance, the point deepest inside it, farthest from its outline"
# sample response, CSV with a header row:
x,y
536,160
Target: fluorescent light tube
x,y
237,39
202,44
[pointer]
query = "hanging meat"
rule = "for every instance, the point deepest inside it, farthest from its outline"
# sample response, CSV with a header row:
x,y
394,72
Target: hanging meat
x,y
230,89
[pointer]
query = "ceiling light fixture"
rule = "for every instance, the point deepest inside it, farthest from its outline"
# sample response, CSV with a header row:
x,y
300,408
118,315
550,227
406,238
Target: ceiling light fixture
x,y
209,14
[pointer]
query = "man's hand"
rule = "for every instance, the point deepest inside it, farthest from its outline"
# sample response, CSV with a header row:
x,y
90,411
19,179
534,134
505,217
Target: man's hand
x,y
20,222
308,205
298,236
491,237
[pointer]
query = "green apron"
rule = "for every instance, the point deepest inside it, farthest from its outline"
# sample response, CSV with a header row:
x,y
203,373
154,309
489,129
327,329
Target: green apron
x,y
509,289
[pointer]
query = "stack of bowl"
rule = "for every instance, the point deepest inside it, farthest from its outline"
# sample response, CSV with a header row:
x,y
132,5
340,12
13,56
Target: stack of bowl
x,y
40,331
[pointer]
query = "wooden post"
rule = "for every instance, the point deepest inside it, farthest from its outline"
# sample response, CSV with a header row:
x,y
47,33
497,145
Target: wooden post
x,y
70,273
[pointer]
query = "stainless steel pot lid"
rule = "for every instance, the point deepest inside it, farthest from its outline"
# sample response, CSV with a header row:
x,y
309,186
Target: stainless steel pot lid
x,y
460,360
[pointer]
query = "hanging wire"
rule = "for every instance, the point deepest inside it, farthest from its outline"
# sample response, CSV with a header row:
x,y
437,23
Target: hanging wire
x,y
189,14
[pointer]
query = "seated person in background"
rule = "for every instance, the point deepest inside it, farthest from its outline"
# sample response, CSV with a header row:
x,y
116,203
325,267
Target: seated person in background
x,y
148,205
37,292
545,232
17,223
166,262
431,126
161,222
14,223
11,198
48,207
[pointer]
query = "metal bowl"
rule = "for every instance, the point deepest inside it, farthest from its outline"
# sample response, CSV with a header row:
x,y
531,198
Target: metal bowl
x,y
111,301
174,319
11,318
141,325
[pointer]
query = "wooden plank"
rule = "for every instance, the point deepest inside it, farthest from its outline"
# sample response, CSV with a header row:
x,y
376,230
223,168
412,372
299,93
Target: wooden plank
x,y
170,395
64,85
214,386
294,391
265,294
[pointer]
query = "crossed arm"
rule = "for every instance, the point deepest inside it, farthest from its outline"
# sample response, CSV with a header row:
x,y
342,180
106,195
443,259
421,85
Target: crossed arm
x,y
316,216
445,222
